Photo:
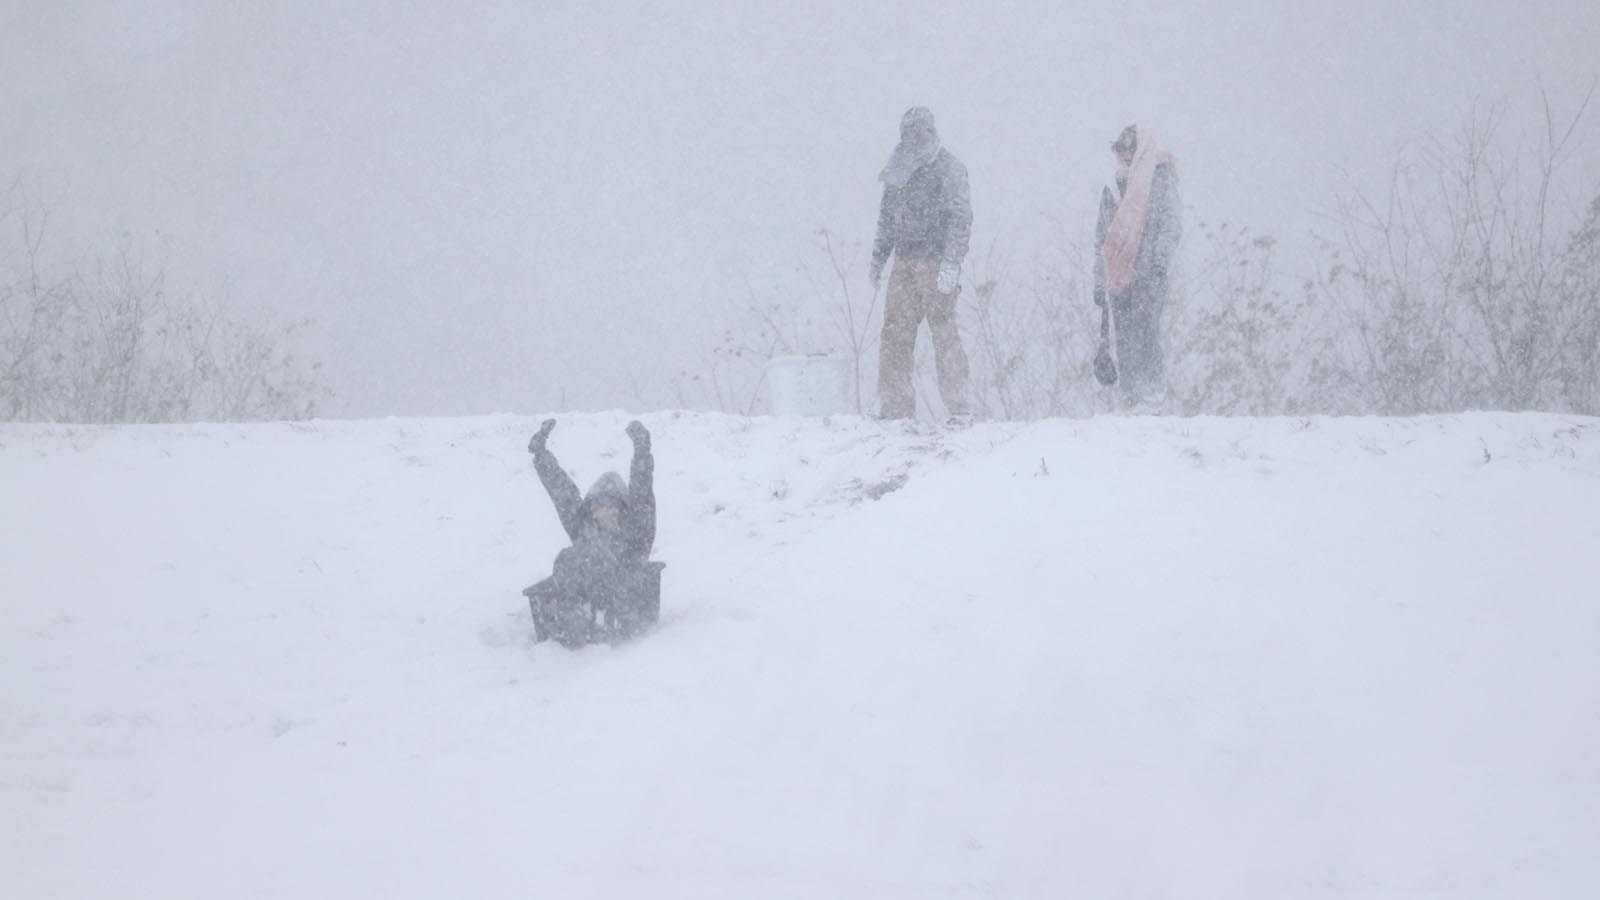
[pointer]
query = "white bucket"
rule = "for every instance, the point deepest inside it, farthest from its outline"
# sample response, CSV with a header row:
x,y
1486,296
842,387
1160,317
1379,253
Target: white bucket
x,y
816,385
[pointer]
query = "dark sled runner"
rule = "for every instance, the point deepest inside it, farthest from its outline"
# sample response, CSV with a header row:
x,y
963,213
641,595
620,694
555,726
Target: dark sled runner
x,y
574,621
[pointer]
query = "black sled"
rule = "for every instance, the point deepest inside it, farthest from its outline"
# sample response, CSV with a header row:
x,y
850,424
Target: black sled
x,y
573,621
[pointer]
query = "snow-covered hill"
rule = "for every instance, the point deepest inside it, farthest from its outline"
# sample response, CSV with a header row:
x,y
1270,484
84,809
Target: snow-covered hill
x,y
1118,658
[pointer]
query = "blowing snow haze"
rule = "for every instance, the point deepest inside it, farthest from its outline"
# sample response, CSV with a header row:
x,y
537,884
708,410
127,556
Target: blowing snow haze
x,y
510,206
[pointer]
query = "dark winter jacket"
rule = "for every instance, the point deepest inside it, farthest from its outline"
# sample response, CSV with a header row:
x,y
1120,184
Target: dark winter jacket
x,y
1163,228
631,542
929,218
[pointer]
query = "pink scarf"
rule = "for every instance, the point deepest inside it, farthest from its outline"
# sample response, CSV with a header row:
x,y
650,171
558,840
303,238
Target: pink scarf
x,y
1121,246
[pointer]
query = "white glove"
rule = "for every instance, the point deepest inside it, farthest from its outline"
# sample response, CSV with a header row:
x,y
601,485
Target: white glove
x,y
949,276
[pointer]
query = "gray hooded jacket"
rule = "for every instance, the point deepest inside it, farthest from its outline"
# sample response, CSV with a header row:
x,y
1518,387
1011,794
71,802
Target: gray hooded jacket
x,y
636,499
926,212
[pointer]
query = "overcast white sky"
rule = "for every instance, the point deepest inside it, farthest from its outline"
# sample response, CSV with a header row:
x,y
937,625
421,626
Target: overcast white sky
x,y
521,206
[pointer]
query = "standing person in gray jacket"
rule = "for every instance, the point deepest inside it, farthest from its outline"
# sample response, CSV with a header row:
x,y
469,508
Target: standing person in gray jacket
x,y
1137,237
925,221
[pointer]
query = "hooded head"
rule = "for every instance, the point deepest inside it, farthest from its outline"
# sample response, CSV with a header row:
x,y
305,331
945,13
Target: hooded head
x,y
916,126
1127,142
1125,146
919,144
609,490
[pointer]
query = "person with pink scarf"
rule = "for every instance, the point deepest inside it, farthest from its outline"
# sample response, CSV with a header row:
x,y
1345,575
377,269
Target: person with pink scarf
x,y
1137,237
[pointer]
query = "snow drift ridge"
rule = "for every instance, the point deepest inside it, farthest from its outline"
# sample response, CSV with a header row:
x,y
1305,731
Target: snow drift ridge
x,y
1115,657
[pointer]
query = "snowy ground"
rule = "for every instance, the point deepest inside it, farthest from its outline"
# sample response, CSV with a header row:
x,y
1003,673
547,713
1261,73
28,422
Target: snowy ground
x,y
1117,658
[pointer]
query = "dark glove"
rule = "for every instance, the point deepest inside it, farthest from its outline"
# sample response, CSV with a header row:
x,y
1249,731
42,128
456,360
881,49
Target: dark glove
x,y
536,443
640,436
1099,296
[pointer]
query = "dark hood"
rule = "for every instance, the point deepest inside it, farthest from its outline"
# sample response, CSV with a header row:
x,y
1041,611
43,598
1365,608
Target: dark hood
x,y
919,144
609,486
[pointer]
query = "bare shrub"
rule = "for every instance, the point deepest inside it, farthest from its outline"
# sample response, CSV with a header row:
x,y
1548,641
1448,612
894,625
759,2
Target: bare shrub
x,y
1458,289
1236,331
1031,336
107,342
838,316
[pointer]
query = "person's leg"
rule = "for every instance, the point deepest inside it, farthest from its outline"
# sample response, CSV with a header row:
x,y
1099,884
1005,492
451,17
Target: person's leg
x,y
1146,369
897,345
631,606
950,358
1130,329
563,608
1156,370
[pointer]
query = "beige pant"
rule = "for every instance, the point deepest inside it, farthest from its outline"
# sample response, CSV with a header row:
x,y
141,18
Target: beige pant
x,y
913,297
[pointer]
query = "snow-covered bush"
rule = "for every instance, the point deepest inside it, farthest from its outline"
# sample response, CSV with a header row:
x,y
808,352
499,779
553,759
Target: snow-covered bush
x,y
105,341
1470,284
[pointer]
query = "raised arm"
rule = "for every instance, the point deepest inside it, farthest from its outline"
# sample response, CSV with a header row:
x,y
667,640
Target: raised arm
x,y
564,494
641,529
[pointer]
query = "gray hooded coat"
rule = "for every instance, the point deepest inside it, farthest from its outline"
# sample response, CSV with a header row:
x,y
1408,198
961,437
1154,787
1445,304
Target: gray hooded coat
x,y
926,212
602,562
